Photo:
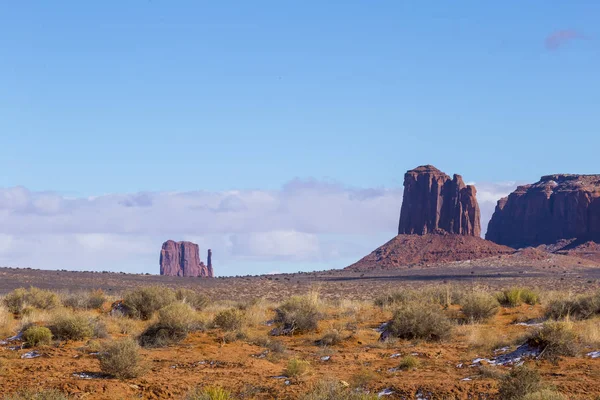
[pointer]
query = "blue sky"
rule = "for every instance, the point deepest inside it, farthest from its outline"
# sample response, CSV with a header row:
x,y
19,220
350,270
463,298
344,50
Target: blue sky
x,y
113,98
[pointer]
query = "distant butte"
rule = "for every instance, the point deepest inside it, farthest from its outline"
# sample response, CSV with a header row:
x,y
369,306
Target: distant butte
x,y
435,203
556,208
183,259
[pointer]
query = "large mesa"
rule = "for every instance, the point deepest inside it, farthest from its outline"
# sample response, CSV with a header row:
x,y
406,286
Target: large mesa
x,y
439,223
557,207
435,203
183,259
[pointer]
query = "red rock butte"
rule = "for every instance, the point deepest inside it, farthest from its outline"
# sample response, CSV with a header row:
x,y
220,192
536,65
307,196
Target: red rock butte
x,y
435,203
439,223
183,259
557,207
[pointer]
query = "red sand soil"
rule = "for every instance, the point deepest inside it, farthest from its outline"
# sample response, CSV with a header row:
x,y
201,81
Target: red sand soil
x,y
203,359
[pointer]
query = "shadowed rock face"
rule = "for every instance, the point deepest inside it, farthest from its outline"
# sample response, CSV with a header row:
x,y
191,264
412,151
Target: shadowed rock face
x,y
183,259
561,206
435,203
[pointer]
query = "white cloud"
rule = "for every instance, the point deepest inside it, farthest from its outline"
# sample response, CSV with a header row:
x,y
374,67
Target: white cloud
x,y
307,221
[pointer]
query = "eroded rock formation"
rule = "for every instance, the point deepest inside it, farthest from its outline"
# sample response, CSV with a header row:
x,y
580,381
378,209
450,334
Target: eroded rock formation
x,y
558,207
183,259
435,203
404,251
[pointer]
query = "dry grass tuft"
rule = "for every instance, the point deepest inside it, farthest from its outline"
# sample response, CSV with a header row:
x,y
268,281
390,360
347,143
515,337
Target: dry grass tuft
x,y
334,390
42,394
296,367
211,393
515,296
6,322
479,306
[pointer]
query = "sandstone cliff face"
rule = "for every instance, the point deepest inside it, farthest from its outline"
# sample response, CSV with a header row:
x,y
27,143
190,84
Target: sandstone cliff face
x,y
562,206
183,259
435,203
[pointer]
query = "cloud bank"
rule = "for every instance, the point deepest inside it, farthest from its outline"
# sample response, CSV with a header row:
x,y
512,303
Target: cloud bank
x,y
306,224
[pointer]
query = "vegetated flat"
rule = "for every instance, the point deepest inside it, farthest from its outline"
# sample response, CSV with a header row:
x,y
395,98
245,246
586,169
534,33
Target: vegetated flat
x,y
547,272
245,366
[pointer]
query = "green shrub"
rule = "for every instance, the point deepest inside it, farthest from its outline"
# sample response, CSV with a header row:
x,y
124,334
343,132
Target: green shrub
x,y
545,395
19,299
298,314
479,306
419,321
42,394
15,301
177,316
37,335
333,390
530,297
578,308
514,297
555,339
92,300
174,323
72,327
121,359
230,320
42,299
211,393
409,362
296,367
143,302
196,300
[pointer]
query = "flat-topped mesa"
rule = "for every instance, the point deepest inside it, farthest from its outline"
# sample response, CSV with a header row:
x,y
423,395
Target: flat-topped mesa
x,y
559,206
435,203
183,259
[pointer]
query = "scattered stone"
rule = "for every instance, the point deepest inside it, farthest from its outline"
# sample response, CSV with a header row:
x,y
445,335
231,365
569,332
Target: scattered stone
x,y
31,354
88,375
512,358
385,392
594,354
